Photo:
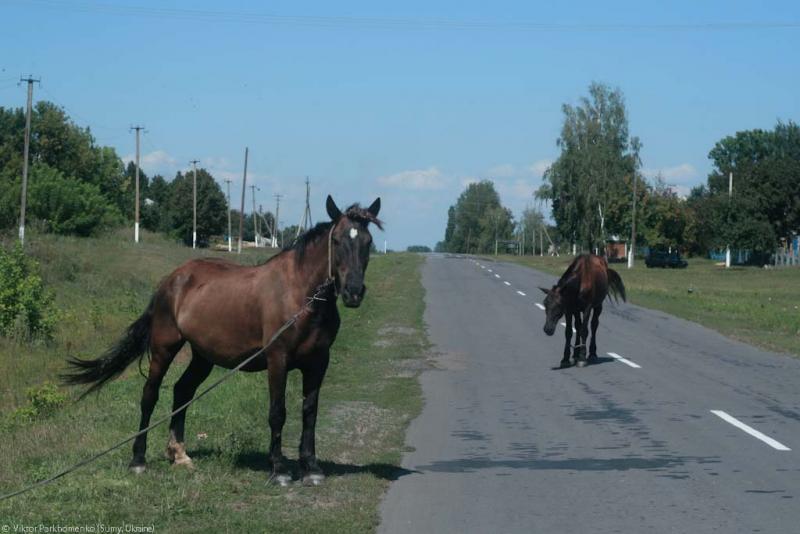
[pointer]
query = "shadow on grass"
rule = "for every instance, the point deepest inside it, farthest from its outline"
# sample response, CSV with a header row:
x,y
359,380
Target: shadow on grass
x,y
259,461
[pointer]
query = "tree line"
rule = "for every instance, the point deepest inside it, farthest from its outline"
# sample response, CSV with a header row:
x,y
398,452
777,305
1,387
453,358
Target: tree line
x,y
78,187
590,188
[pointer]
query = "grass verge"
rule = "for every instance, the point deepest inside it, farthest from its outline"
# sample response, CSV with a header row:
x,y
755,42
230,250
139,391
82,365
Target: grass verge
x,y
367,400
750,304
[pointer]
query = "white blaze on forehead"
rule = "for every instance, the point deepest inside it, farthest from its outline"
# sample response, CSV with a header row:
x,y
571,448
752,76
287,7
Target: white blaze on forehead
x,y
353,233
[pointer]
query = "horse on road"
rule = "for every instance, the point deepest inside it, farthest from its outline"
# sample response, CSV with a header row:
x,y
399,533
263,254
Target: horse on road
x,y
579,293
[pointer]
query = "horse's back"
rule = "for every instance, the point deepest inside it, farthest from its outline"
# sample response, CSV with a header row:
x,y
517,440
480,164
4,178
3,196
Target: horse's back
x,y
210,299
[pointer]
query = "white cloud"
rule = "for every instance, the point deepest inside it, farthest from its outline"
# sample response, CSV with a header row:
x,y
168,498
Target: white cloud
x,y
540,166
468,180
156,162
683,173
506,170
430,178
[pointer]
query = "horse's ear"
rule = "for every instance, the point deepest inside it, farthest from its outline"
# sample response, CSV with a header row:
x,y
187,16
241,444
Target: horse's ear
x,y
333,210
375,207
545,291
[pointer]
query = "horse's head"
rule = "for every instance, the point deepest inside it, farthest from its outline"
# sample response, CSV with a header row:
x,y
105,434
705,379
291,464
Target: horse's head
x,y
350,245
553,309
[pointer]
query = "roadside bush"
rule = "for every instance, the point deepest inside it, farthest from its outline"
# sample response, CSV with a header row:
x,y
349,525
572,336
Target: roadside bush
x,y
26,307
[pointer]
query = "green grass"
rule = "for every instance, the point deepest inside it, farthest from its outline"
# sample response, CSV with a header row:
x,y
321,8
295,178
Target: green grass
x,y
369,396
754,305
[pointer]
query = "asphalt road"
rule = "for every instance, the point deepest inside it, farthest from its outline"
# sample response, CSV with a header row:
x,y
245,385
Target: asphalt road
x,y
507,443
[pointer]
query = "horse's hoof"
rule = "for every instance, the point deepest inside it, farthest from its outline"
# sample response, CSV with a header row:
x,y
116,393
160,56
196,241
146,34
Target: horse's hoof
x,y
137,469
564,364
580,363
313,479
280,479
184,462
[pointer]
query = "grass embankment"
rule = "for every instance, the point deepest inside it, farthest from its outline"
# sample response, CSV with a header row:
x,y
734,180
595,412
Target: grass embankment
x,y
755,305
369,395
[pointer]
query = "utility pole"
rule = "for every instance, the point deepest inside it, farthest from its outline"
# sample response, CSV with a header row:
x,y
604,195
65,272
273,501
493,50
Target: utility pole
x,y
24,198
306,223
241,212
253,190
194,163
138,129
730,198
275,224
633,226
230,245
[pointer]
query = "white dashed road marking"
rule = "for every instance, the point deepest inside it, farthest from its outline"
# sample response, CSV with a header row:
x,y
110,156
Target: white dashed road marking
x,y
497,276
624,360
539,306
750,430
506,283
520,293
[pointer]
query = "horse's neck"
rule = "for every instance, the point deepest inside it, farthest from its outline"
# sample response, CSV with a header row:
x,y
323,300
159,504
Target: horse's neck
x,y
314,269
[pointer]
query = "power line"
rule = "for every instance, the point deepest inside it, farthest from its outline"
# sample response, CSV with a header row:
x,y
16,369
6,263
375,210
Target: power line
x,y
399,24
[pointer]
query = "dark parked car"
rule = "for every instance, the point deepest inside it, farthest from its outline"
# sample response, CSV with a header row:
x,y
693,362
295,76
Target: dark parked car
x,y
662,258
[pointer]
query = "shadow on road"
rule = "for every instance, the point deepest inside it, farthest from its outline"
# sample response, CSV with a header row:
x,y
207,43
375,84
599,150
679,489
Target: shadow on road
x,y
569,464
589,363
259,461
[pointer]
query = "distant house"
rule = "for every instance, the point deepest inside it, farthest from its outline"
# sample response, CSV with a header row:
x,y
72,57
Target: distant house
x,y
616,249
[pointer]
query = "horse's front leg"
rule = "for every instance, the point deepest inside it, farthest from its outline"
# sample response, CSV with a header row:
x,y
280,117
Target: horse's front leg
x,y
595,322
312,381
277,417
568,342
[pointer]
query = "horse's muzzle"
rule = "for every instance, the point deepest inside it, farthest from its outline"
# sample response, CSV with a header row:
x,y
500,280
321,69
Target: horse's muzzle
x,y
353,297
549,329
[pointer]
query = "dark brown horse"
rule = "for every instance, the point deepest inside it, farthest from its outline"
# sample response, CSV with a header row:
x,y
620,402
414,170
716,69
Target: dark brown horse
x,y
226,312
579,293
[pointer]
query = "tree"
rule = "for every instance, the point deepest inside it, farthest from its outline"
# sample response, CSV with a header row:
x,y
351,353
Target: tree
x,y
477,219
664,217
66,158
418,248
530,224
589,184
765,205
211,207
67,205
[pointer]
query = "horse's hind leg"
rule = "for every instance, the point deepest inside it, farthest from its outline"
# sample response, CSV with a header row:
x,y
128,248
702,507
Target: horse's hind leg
x,y
160,359
197,371
568,341
595,322
578,354
583,334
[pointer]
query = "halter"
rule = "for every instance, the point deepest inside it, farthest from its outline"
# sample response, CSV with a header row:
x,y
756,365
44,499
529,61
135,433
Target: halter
x,y
330,255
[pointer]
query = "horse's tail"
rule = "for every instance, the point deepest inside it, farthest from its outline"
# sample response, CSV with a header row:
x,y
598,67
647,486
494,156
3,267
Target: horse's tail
x,y
615,285
134,343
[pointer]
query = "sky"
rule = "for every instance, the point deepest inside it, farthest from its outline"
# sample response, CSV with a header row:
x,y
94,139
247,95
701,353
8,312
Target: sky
x,y
409,101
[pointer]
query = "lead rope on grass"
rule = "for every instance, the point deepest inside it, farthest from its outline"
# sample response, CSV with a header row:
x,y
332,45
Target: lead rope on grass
x,y
293,319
